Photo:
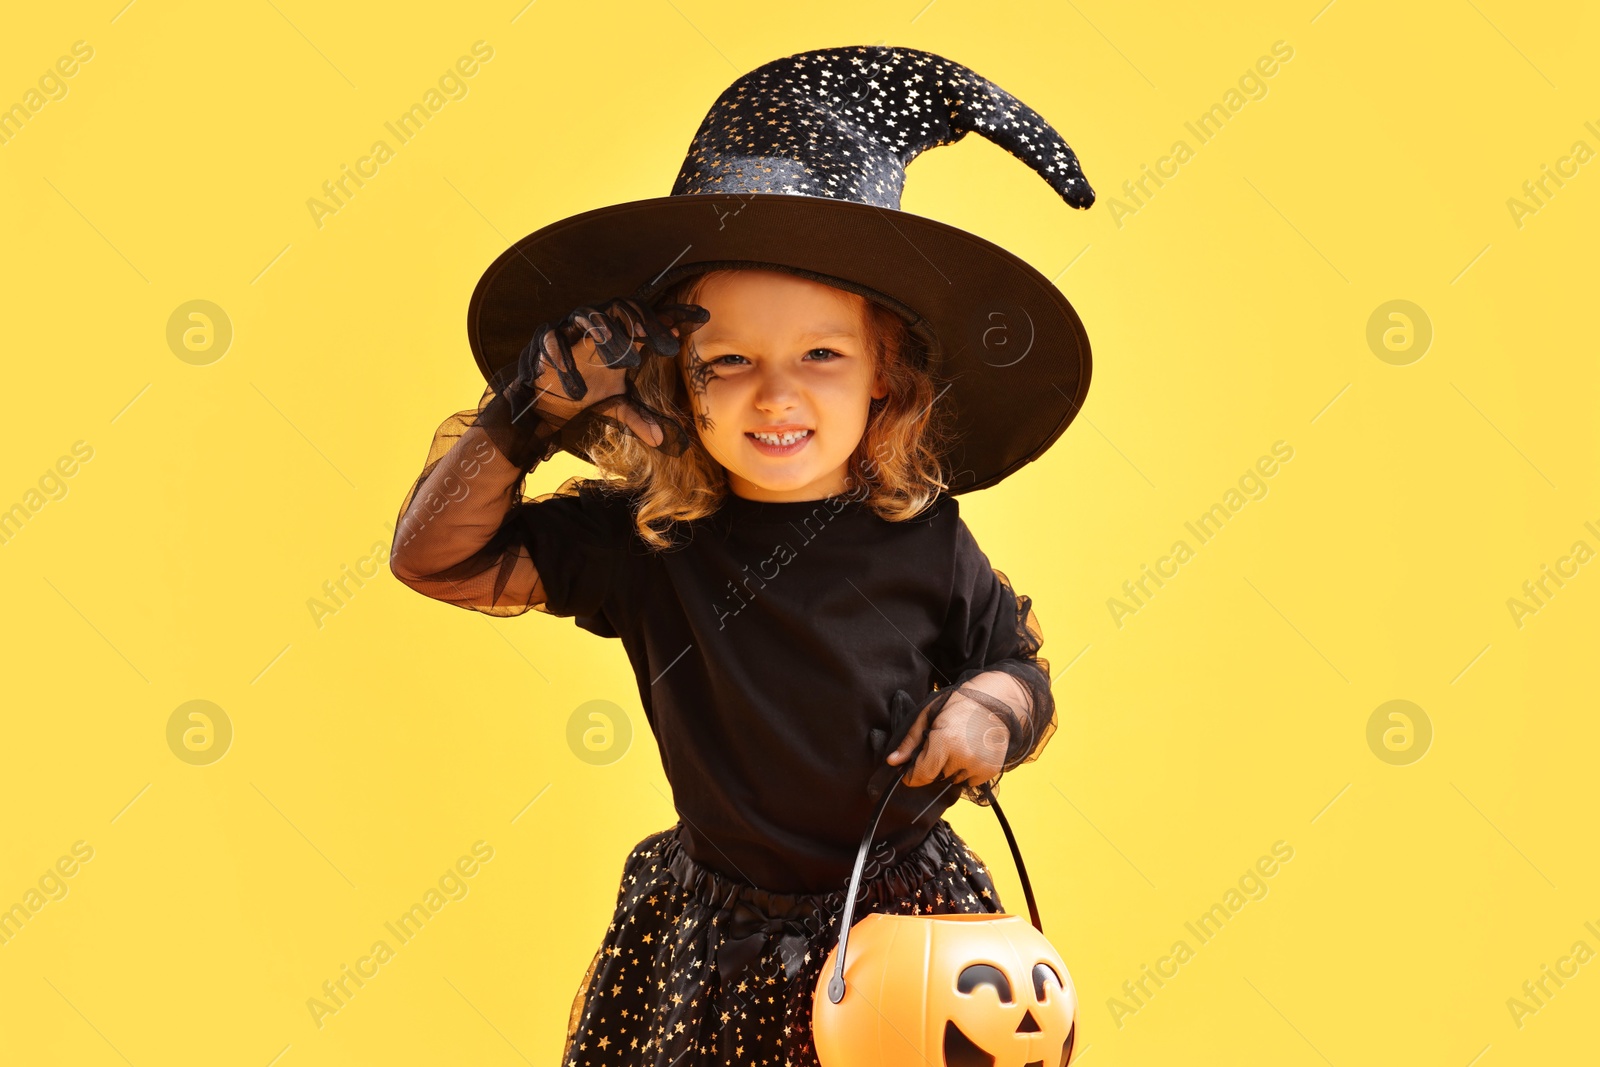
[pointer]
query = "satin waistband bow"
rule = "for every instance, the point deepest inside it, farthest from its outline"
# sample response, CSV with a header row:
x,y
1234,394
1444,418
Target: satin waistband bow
x,y
747,935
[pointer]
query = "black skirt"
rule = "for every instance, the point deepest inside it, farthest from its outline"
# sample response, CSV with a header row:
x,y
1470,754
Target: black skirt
x,y
697,968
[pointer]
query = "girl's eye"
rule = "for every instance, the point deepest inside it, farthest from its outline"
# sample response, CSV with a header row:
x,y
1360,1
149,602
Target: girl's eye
x,y
724,359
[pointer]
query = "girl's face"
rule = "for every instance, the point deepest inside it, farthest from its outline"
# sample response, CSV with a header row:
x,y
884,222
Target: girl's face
x,y
780,355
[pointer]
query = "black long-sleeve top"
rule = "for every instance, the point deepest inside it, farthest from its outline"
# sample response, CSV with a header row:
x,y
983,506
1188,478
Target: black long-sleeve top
x,y
766,645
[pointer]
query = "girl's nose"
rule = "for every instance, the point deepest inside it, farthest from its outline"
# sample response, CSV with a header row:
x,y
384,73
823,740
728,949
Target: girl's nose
x,y
774,391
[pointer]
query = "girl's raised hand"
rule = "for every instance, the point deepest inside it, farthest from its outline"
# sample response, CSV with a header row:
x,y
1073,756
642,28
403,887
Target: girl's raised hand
x,y
970,733
579,367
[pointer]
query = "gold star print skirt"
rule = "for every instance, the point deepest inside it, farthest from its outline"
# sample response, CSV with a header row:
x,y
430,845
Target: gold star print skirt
x,y
697,968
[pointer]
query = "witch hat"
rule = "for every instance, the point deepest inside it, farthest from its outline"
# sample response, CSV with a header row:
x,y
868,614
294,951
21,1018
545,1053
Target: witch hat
x,y
799,167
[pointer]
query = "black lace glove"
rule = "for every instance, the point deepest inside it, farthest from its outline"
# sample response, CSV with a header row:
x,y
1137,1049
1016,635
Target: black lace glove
x,y
1002,721
573,377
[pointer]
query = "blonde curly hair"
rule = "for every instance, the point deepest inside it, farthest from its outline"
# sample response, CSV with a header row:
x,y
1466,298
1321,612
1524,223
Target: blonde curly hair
x,y
897,469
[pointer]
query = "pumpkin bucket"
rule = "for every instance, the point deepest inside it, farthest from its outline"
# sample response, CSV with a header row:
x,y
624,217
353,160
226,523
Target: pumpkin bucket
x,y
943,990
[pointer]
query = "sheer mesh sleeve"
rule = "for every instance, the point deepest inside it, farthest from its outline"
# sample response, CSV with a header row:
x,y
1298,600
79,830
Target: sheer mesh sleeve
x,y
467,536
991,631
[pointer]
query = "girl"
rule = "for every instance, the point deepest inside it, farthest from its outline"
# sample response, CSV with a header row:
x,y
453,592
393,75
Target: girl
x,y
773,541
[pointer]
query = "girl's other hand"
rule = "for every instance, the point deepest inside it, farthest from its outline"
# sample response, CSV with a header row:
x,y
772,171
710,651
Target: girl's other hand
x,y
968,741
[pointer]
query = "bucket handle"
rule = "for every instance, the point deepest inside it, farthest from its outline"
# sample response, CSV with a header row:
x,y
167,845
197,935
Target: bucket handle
x,y
836,983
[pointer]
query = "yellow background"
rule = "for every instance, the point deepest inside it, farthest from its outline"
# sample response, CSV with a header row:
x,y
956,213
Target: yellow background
x,y
1227,312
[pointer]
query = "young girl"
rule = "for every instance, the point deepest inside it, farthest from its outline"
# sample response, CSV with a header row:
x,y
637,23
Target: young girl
x,y
773,541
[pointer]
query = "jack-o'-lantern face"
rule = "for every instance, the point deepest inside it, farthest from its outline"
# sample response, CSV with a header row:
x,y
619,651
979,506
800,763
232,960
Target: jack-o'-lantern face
x,y
959,990
996,1023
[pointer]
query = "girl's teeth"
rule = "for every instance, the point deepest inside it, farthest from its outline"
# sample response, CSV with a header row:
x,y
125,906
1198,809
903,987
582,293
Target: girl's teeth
x,y
780,439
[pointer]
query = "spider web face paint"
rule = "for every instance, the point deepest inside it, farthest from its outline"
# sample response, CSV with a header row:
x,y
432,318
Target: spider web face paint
x,y
698,375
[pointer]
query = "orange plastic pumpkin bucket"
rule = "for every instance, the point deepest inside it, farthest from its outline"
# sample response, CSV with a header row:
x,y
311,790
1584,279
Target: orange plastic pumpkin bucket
x,y
943,990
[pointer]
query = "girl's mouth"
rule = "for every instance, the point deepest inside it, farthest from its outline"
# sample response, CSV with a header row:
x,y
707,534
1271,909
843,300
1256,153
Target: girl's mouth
x,y
774,445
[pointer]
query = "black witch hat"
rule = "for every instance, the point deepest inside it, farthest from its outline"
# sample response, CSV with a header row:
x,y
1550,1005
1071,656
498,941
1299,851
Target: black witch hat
x,y
799,167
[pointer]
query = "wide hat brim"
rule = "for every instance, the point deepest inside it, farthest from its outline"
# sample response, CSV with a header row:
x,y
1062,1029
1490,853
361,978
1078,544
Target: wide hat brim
x,y
1009,355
